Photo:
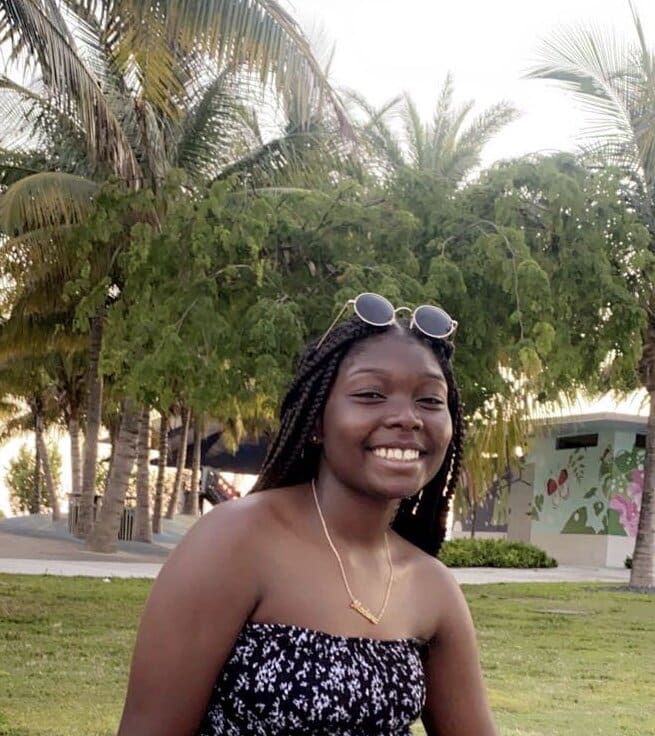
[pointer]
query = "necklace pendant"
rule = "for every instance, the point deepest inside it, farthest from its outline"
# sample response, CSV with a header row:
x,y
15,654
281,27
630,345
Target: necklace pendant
x,y
363,611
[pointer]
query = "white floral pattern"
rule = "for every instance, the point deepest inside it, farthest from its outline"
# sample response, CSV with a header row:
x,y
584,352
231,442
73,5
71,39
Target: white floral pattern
x,y
283,680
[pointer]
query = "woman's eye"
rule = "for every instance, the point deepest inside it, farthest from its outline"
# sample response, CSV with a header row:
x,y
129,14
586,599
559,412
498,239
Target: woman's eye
x,y
432,401
368,395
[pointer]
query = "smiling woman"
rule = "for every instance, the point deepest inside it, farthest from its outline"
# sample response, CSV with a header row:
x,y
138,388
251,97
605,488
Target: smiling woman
x,y
325,611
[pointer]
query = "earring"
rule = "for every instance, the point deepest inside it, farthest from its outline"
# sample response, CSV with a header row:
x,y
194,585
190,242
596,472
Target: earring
x,y
416,499
314,438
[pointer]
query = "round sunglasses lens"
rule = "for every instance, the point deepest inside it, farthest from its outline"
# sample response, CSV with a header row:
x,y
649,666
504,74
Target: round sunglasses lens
x,y
374,309
433,321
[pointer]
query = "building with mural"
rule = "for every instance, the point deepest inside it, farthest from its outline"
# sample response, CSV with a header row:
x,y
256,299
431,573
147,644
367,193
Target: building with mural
x,y
578,494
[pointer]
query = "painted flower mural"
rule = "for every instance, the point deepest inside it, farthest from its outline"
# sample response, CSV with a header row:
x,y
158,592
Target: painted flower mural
x,y
628,505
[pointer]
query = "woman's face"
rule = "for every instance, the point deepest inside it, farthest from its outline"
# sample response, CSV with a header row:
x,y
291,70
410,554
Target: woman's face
x,y
386,425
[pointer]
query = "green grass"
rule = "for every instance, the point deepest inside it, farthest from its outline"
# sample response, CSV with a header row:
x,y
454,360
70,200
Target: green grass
x,y
589,668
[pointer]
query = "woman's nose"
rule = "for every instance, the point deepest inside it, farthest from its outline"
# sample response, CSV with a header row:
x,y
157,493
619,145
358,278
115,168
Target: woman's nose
x,y
404,413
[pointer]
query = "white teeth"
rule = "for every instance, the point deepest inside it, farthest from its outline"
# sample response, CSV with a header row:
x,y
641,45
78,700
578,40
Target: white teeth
x,y
395,453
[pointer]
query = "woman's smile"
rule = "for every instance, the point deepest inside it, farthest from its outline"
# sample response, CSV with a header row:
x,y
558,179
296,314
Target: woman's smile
x,y
396,454
390,401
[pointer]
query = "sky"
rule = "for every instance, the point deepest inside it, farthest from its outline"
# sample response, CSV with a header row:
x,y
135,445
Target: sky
x,y
384,48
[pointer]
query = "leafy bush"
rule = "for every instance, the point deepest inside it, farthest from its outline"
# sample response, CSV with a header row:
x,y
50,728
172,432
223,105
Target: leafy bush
x,y
493,553
20,478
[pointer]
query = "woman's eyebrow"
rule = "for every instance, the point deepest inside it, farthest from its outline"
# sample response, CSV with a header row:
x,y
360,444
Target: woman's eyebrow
x,y
383,372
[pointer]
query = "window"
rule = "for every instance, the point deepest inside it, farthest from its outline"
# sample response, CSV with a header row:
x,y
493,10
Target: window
x,y
640,441
573,441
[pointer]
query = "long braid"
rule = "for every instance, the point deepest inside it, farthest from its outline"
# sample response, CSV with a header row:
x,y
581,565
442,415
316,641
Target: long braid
x,y
303,406
293,458
423,518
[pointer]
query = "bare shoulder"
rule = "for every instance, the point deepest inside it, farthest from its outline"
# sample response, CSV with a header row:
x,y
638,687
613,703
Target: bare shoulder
x,y
241,526
206,591
428,570
437,592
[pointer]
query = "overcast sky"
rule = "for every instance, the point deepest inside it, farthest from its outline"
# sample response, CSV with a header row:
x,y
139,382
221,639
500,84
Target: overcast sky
x,y
384,48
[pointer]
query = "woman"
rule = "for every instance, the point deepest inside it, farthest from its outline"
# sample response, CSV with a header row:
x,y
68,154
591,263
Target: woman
x,y
319,607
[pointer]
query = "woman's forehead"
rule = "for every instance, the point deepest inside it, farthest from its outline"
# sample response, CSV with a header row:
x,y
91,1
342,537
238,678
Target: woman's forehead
x,y
391,350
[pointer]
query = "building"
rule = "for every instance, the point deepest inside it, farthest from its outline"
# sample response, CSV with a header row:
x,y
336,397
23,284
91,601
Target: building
x,y
578,494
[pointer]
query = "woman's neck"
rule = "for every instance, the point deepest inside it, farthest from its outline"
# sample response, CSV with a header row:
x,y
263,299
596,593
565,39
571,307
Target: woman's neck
x,y
352,516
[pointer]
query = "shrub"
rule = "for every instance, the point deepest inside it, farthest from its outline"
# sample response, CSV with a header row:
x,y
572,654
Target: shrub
x,y
493,553
20,478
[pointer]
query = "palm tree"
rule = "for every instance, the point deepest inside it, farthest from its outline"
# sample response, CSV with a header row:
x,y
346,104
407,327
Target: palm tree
x,y
492,437
142,515
121,90
448,147
615,82
185,420
161,473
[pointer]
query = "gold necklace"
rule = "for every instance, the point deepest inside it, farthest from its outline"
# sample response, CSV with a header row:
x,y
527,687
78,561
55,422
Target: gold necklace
x,y
355,603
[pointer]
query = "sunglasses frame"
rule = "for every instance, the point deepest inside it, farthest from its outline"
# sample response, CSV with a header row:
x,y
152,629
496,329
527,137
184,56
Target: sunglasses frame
x,y
394,311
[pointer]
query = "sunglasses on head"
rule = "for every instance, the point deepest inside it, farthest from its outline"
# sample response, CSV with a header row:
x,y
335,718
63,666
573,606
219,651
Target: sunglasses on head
x,y
377,311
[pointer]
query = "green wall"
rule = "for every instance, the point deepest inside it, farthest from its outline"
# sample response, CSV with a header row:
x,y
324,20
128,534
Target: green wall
x,y
591,490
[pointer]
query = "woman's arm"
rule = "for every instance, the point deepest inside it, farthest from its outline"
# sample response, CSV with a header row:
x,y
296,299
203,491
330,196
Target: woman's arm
x,y
456,702
199,603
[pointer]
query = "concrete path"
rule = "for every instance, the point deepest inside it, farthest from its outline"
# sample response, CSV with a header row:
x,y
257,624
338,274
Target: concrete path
x,y
117,568
36,546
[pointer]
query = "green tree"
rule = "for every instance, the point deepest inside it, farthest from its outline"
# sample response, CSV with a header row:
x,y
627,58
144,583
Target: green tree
x,y
130,89
20,479
531,258
614,80
29,384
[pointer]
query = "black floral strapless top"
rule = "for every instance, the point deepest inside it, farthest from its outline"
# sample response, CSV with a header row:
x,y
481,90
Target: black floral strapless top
x,y
283,680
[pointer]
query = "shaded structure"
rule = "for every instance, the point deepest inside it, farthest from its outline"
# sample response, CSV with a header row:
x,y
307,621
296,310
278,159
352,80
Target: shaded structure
x,y
214,454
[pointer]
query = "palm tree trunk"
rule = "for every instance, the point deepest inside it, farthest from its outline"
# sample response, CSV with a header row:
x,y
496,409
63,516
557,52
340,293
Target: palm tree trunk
x,y
35,498
642,574
93,419
474,518
181,462
191,505
142,527
161,473
104,534
47,473
76,456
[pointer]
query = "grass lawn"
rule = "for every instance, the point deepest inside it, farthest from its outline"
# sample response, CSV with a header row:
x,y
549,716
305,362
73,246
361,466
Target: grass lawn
x,y
559,659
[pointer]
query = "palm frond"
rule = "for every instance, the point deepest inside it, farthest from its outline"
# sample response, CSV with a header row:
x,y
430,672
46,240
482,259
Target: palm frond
x,y
15,426
468,147
299,158
380,147
598,70
373,114
489,452
38,336
208,134
46,257
8,408
446,149
150,40
47,199
442,121
35,124
415,132
33,30
260,34
614,80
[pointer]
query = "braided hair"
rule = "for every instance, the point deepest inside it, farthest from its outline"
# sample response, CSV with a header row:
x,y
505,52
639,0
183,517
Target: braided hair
x,y
293,458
